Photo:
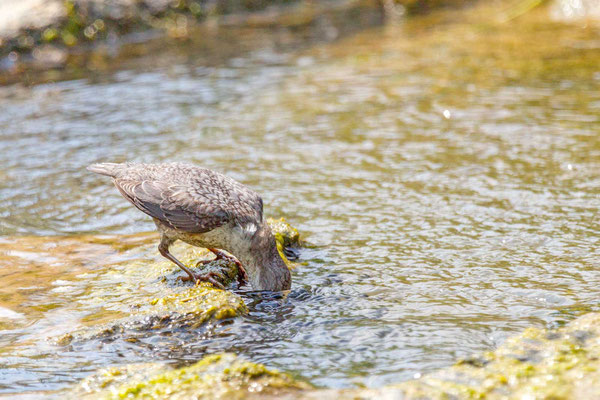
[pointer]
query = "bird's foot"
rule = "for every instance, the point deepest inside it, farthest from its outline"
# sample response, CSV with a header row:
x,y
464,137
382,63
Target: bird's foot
x,y
208,277
242,277
221,255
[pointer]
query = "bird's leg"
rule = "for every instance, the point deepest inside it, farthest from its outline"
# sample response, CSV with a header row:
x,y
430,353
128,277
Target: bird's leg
x,y
163,249
220,255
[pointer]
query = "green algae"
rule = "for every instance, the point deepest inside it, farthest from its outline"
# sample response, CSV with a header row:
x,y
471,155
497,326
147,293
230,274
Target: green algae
x,y
537,364
221,376
191,308
200,304
286,236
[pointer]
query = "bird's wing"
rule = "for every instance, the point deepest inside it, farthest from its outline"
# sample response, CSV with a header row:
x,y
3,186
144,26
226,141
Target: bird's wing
x,y
174,205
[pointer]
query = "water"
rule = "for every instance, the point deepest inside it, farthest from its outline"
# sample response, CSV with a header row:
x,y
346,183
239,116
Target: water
x,y
445,171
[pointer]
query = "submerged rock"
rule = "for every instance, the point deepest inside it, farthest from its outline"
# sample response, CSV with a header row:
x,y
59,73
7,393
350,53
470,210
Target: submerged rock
x,y
199,304
42,35
190,308
222,376
24,24
172,305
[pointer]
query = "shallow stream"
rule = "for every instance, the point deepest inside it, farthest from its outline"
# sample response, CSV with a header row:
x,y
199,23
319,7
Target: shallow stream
x,y
444,170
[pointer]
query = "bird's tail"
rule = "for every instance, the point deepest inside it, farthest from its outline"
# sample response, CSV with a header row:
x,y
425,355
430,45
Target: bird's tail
x,y
108,169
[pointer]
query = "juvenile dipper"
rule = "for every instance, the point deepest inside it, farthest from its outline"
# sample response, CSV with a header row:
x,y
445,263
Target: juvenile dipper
x,y
207,209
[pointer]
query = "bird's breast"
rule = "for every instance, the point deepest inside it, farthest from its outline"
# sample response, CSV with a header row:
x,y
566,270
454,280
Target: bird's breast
x,y
230,238
234,238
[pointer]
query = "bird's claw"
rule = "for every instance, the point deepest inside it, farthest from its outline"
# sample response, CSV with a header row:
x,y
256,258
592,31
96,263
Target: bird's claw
x,y
219,255
209,277
242,276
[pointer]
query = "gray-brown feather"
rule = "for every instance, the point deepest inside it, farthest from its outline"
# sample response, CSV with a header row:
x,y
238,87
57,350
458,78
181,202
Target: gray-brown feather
x,y
186,197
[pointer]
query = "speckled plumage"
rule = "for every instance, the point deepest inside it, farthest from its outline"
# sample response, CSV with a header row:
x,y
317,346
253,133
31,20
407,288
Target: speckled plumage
x,y
203,208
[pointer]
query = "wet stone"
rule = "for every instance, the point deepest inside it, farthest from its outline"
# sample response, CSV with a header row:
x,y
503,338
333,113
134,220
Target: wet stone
x,y
285,234
537,364
288,240
222,376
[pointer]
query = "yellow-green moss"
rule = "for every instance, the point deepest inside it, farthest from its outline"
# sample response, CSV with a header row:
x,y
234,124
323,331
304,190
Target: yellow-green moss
x,y
285,235
537,364
221,376
203,302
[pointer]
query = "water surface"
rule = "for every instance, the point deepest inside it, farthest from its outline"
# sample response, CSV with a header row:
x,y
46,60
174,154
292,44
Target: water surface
x,y
446,171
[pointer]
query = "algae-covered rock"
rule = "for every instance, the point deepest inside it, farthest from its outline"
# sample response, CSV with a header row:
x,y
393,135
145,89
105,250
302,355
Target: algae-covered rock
x,y
68,37
189,308
24,24
285,234
199,304
537,364
287,237
142,297
222,376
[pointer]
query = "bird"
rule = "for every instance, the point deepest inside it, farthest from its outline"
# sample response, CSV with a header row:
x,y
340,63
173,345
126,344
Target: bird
x,y
203,208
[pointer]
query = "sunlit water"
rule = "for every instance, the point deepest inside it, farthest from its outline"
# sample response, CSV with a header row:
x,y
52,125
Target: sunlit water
x,y
446,172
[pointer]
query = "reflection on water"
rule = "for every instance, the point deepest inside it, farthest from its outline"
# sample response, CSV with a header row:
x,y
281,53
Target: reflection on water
x,y
446,171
